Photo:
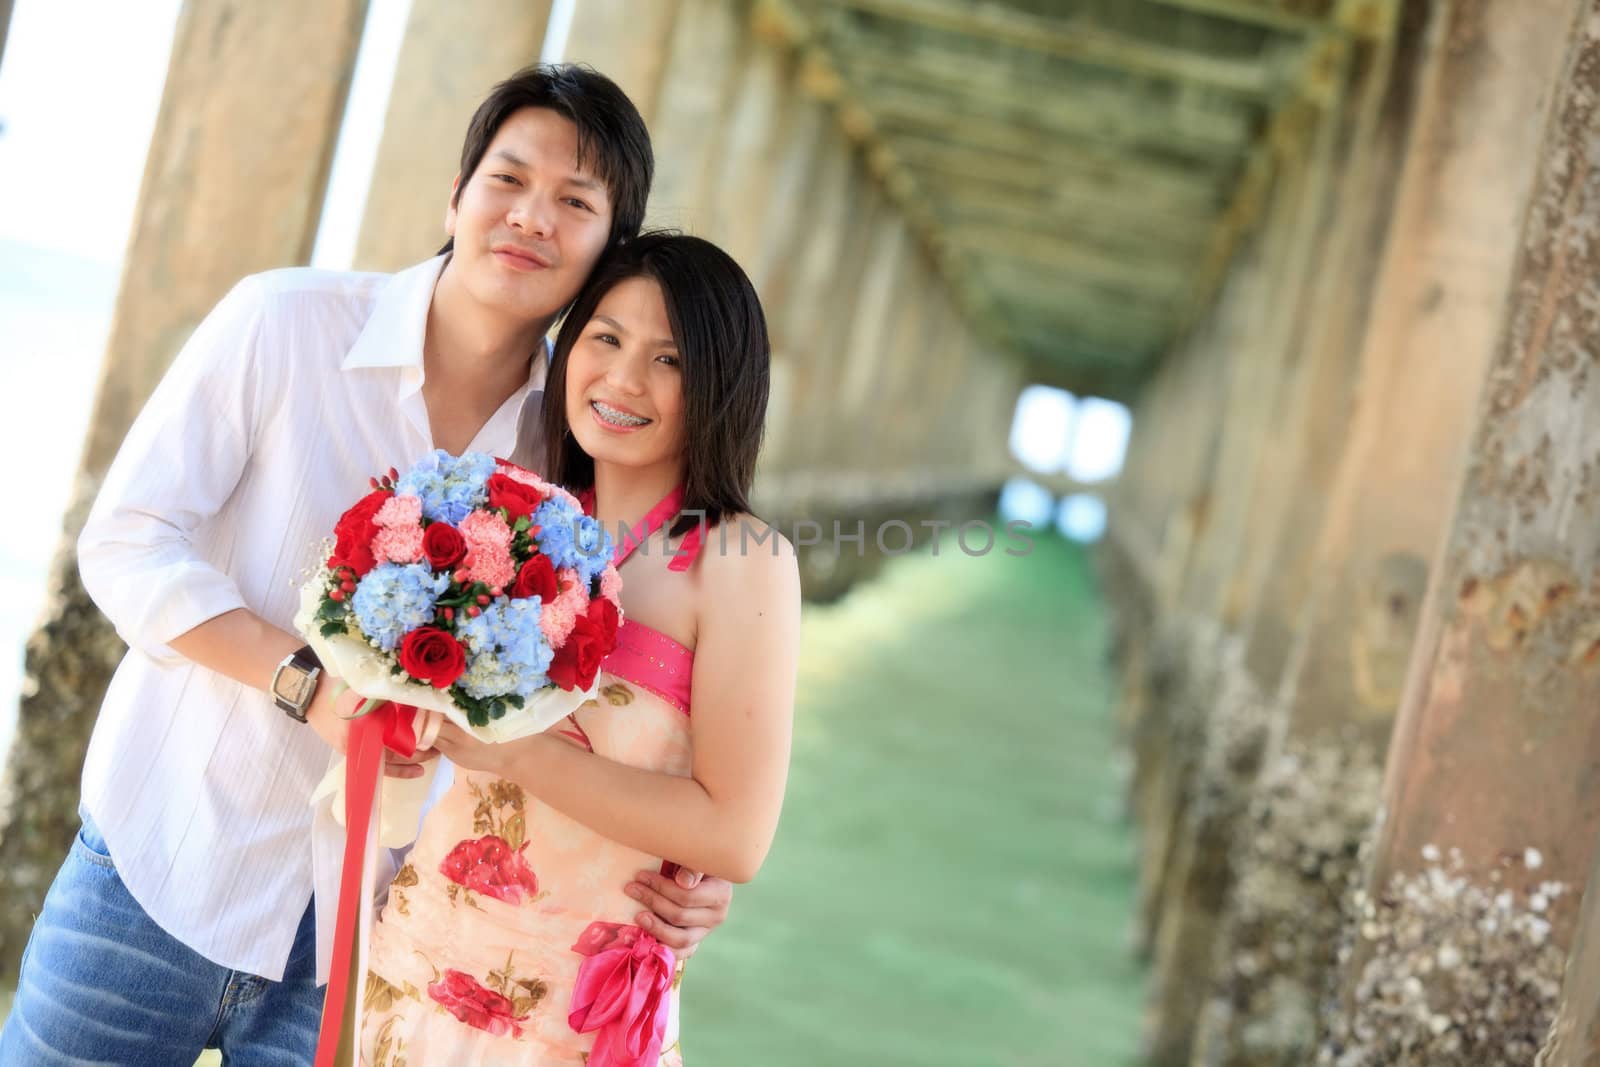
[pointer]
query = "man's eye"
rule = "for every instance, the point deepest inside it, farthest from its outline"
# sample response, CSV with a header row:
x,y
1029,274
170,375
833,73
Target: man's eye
x,y
607,339
506,178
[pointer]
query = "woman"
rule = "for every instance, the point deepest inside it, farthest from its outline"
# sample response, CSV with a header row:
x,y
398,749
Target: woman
x,y
503,940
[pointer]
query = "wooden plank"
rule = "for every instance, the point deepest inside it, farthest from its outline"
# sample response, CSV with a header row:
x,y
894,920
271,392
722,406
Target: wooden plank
x,y
1267,15
1079,40
1046,169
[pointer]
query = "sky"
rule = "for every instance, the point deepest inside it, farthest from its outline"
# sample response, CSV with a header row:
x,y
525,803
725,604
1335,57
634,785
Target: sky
x,y
80,86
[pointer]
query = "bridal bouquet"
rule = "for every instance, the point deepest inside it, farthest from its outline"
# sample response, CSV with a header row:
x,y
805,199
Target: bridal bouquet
x,y
467,588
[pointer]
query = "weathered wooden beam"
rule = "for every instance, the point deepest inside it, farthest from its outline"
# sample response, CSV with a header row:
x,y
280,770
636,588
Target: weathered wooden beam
x,y
1266,15
895,99
1077,39
985,173
1058,258
1045,164
1168,234
1020,283
966,186
957,79
1101,241
1087,142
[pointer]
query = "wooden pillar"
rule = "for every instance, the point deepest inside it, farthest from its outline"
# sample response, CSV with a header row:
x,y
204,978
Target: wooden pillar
x,y
452,55
1216,713
866,347
896,430
5,25
234,184
807,289
1484,74
1574,1039
629,42
704,56
1491,792
1275,944
740,178
841,322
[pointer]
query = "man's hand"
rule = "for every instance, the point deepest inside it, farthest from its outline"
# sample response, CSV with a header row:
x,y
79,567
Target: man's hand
x,y
683,909
324,716
329,715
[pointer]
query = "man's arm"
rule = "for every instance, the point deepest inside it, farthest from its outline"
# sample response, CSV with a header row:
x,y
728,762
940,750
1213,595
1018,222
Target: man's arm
x,y
248,649
180,462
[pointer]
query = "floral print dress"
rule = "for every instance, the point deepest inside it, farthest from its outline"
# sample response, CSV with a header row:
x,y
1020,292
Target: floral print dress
x,y
506,908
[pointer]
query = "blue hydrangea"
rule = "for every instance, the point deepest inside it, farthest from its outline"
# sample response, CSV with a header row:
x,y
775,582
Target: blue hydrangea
x,y
449,486
394,599
509,652
572,539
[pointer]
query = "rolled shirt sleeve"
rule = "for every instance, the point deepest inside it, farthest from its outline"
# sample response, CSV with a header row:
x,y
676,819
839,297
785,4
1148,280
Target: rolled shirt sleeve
x,y
181,460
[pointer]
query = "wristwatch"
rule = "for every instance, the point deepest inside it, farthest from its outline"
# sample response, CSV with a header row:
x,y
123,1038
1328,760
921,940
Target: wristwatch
x,y
294,683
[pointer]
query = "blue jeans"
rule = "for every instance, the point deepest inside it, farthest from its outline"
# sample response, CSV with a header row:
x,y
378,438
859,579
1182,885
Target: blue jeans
x,y
101,983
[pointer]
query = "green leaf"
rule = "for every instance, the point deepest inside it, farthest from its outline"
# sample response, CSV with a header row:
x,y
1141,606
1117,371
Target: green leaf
x,y
331,629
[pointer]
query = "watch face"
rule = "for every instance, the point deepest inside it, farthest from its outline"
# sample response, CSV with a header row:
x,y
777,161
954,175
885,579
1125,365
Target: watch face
x,y
294,686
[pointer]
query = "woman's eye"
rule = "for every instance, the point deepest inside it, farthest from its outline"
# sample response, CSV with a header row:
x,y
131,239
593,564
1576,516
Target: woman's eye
x,y
575,202
671,361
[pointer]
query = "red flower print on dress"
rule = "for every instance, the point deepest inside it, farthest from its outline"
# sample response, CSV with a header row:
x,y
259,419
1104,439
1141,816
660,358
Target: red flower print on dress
x,y
489,865
599,936
478,1007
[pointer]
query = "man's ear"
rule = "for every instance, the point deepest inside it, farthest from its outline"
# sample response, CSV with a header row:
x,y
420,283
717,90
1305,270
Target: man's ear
x,y
450,208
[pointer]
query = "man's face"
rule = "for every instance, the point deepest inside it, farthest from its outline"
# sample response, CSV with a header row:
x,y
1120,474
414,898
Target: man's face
x,y
530,222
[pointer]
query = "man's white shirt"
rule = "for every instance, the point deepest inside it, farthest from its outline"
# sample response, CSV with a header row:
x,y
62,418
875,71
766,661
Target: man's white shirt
x,y
296,389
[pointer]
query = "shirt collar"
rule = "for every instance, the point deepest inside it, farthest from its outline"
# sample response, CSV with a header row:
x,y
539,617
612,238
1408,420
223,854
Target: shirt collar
x,y
394,332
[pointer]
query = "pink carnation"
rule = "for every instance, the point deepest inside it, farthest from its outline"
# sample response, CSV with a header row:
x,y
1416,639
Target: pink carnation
x,y
611,586
399,536
574,591
488,549
557,619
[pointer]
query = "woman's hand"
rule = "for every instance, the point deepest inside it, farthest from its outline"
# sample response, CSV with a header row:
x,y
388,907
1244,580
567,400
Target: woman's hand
x,y
465,750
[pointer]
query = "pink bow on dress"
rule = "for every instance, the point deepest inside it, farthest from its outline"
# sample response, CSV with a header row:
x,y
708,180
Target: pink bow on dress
x,y
621,994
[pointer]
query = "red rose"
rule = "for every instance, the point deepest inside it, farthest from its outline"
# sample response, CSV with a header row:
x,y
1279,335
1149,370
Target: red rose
x,y
537,577
578,659
603,613
599,936
478,1007
489,865
354,531
518,499
443,545
431,655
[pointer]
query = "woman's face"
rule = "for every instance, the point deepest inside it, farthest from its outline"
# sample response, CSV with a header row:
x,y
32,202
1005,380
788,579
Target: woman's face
x,y
625,381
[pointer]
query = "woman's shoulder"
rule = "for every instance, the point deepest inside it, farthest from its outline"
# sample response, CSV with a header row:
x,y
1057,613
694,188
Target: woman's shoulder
x,y
747,553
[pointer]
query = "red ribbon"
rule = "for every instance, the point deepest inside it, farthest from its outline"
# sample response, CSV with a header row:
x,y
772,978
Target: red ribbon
x,y
390,725
622,995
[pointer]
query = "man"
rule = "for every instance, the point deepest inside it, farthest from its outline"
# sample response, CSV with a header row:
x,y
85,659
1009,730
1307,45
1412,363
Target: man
x,y
186,914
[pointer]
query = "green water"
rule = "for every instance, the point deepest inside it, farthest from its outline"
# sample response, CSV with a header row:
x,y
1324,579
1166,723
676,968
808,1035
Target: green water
x,y
952,881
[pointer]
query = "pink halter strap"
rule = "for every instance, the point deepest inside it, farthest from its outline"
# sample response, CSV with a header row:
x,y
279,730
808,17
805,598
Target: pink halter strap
x,y
654,519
